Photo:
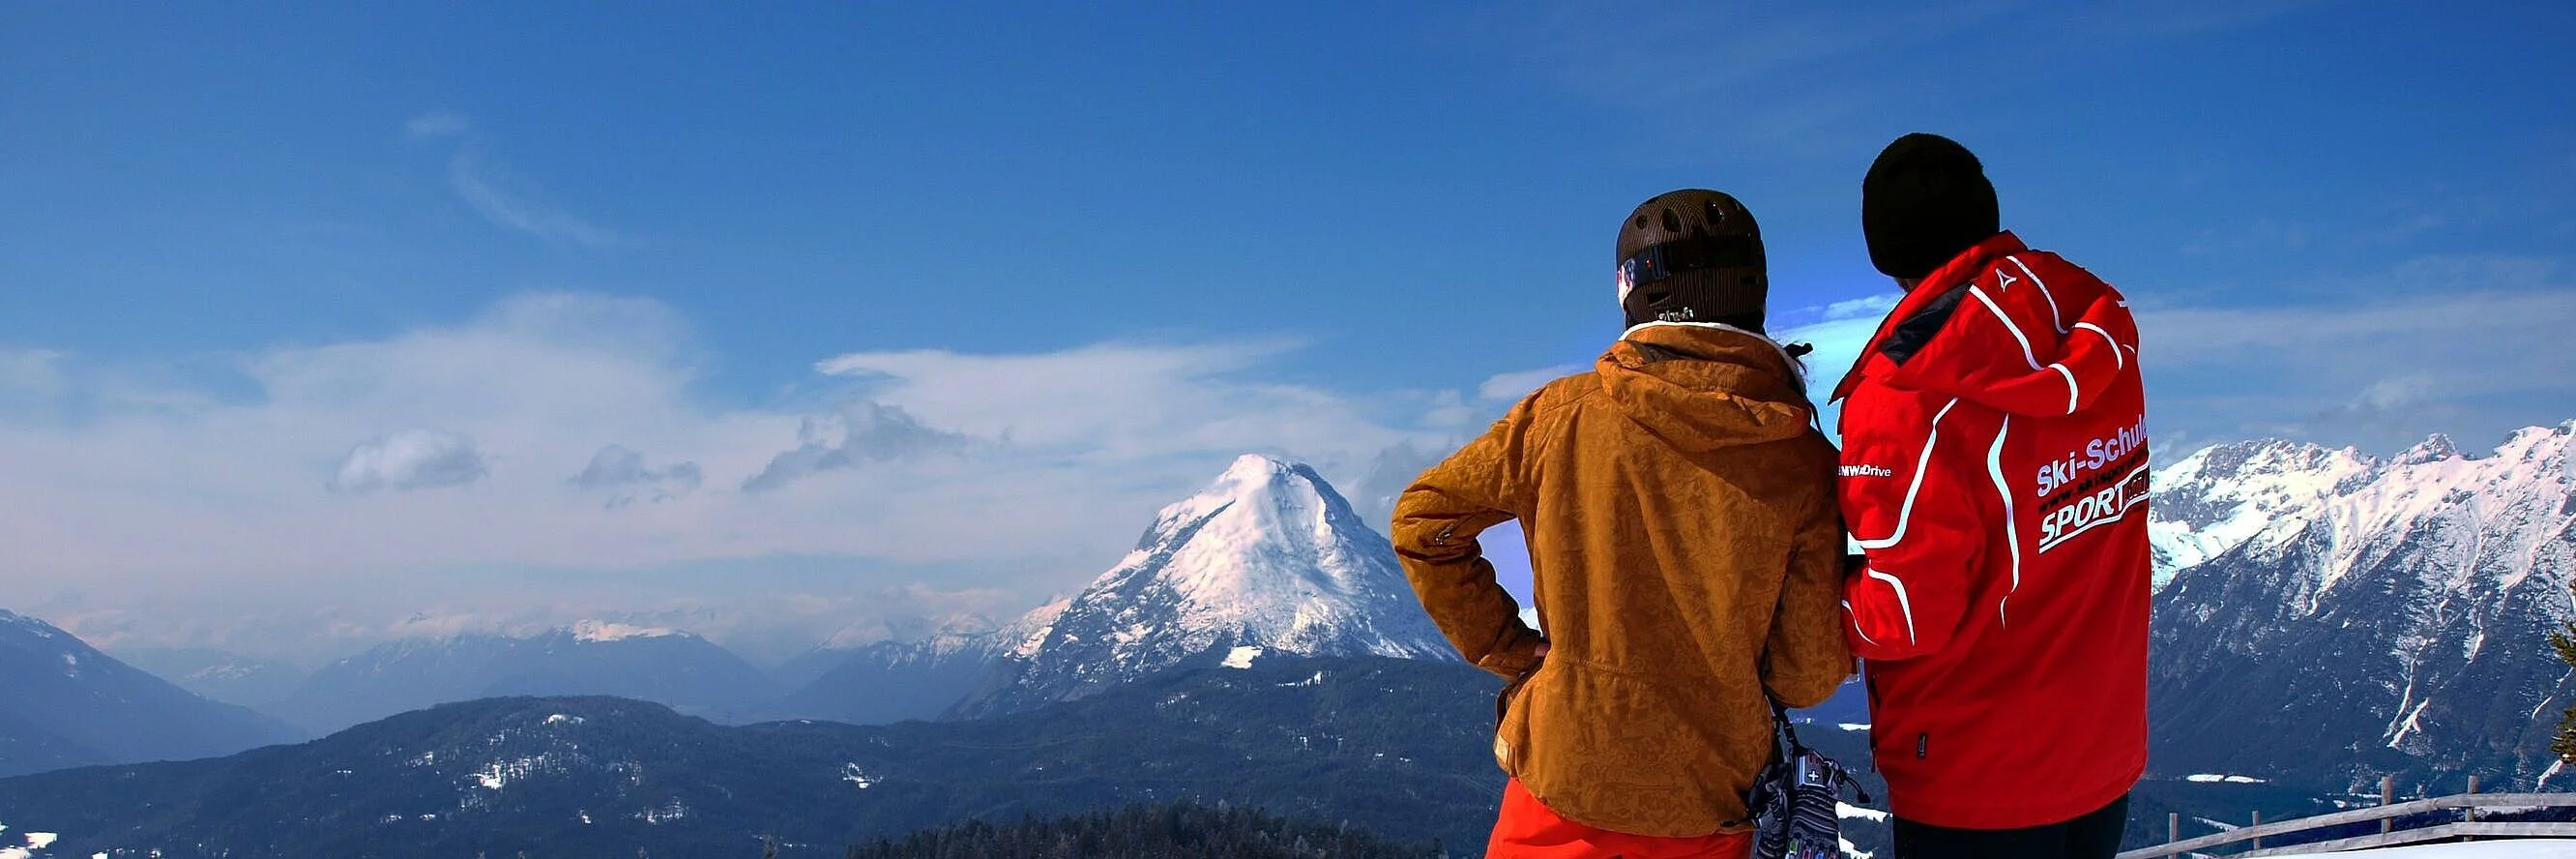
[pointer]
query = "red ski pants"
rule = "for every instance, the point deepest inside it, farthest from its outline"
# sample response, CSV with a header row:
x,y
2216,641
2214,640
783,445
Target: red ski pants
x,y
1527,829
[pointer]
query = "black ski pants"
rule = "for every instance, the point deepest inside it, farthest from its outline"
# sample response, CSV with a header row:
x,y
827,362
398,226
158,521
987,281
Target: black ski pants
x,y
2093,836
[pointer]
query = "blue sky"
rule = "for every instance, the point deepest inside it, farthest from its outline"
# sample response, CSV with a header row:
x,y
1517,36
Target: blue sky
x,y
355,302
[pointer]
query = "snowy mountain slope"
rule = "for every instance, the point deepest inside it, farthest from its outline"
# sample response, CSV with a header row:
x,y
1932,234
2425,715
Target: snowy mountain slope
x,y
1269,556
670,667
892,681
2357,617
63,703
2217,497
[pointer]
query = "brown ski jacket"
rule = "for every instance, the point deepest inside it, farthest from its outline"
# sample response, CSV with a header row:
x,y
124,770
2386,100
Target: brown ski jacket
x,y
1679,508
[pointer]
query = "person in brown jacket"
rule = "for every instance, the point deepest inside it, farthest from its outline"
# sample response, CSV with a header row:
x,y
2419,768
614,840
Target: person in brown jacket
x,y
1679,507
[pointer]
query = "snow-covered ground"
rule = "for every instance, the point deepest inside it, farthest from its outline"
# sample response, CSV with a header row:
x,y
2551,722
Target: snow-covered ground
x,y
2520,848
1242,657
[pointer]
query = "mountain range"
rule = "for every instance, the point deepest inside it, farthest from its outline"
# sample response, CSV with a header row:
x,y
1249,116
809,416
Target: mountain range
x,y
2322,617
1269,558
2331,617
677,668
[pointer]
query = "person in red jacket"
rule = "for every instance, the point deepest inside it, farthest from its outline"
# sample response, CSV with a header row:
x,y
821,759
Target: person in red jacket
x,y
1994,474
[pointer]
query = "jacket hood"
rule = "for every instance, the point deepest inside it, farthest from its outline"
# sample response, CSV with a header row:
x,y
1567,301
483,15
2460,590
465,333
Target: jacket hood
x,y
2020,331
1702,386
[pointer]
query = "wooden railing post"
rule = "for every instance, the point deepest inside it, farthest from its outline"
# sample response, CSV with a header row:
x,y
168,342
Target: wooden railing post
x,y
2173,827
2387,795
2258,821
2469,813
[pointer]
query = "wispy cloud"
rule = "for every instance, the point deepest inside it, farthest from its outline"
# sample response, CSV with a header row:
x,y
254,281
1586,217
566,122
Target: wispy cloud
x,y
2163,19
2471,346
436,125
481,187
485,184
1654,54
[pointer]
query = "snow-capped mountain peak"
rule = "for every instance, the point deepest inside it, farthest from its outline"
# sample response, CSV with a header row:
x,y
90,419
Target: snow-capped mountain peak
x,y
2399,605
1269,555
2224,494
2229,494
1220,547
1028,633
2435,448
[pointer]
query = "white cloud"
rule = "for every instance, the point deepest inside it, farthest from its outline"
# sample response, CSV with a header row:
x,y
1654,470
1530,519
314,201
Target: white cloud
x,y
410,459
1871,307
1515,385
1838,343
167,499
2471,350
1127,402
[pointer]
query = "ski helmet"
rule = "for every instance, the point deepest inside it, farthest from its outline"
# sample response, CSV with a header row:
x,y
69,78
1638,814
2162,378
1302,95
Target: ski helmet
x,y
1692,256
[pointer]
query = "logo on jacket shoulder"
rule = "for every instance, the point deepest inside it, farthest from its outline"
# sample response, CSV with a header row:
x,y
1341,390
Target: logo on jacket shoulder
x,y
1866,471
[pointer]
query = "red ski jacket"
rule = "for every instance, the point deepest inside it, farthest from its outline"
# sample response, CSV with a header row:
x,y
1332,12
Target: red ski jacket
x,y
1994,472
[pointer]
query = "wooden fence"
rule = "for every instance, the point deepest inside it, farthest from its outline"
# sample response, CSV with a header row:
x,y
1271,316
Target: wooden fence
x,y
2465,827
